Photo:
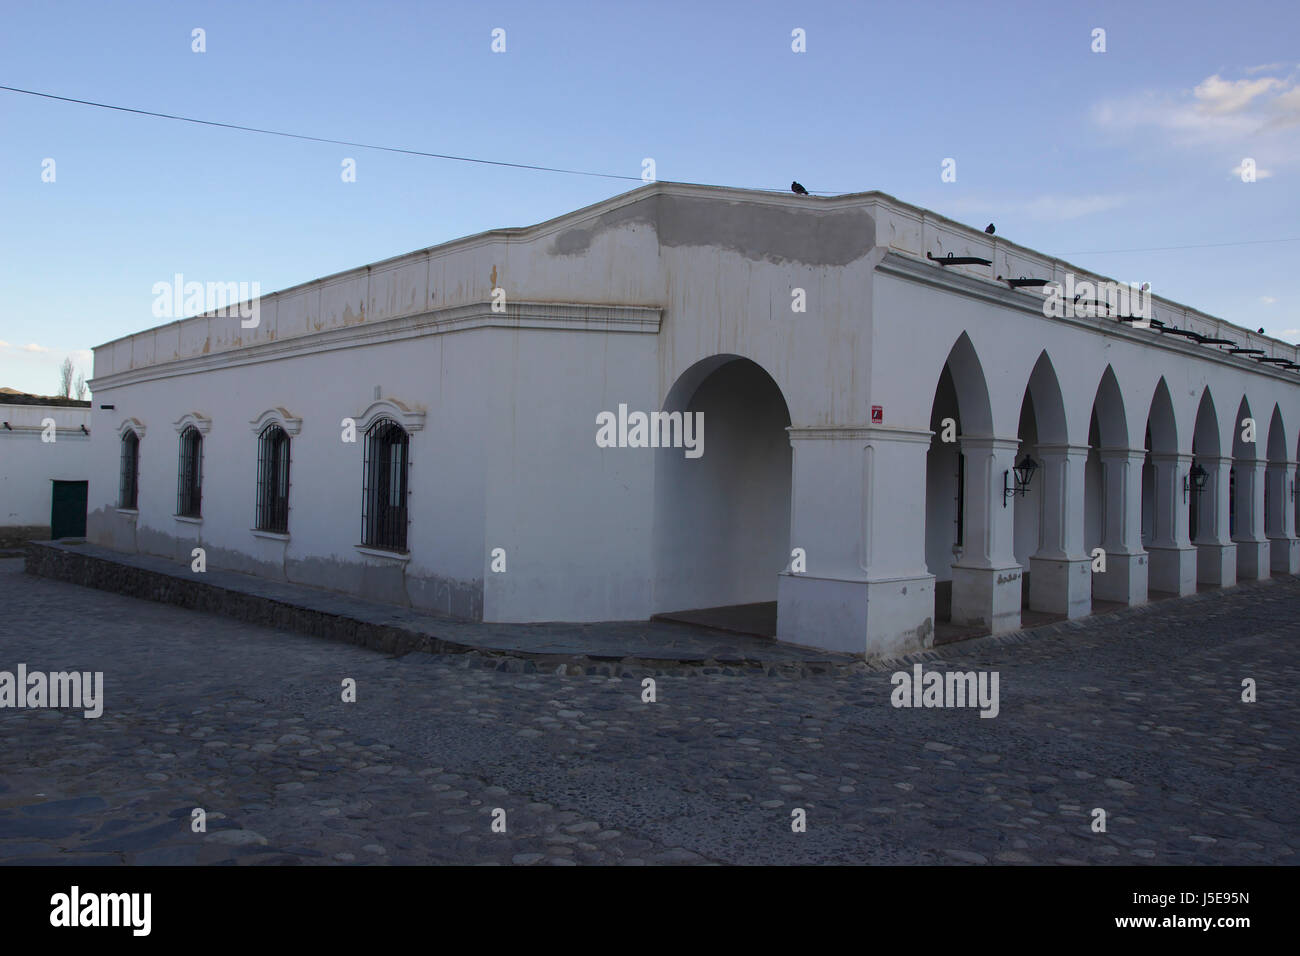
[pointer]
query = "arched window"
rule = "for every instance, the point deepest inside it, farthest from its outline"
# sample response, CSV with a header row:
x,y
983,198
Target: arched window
x,y
189,484
128,495
383,516
273,480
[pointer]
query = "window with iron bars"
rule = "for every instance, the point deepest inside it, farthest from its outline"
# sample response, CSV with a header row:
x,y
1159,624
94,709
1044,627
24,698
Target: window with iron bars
x,y
273,480
128,495
383,515
189,490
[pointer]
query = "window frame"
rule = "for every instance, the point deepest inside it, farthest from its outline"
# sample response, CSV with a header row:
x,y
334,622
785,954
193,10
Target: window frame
x,y
274,479
386,471
129,468
189,477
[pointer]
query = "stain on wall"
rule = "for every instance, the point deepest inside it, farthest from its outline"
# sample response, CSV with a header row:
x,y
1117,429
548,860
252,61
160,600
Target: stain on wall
x,y
759,232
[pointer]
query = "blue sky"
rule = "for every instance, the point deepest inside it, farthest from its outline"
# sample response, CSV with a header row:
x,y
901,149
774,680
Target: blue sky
x,y
1079,154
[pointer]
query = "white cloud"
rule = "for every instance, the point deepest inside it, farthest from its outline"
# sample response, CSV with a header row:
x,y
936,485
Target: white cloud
x,y
1267,299
1216,110
1271,67
1292,334
1217,95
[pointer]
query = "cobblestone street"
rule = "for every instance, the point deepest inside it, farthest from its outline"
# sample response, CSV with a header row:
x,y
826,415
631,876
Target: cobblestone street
x,y
1141,716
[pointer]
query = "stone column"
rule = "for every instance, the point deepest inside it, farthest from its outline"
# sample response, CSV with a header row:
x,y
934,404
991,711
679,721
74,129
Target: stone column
x,y
858,513
986,579
1060,573
1251,543
1216,555
1284,547
1125,577
1172,556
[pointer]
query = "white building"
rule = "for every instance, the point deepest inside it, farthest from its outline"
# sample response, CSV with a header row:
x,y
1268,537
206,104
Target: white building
x,y
44,466
476,373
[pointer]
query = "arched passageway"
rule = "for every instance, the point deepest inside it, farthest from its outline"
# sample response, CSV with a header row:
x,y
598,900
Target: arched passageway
x,y
1049,510
1208,501
1166,498
1279,500
1246,492
722,519
960,413
1114,501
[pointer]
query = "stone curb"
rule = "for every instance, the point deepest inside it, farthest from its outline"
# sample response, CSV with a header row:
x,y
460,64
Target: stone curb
x,y
63,562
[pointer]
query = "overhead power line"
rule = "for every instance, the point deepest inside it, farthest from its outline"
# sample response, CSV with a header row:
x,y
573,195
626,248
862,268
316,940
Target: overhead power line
x,y
533,166
319,139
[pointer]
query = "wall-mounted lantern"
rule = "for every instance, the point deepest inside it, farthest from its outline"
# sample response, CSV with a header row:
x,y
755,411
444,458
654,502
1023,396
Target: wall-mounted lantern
x,y
1198,478
1024,474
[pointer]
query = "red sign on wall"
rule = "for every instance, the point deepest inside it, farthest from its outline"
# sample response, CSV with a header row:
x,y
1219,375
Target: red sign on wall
x,y
877,414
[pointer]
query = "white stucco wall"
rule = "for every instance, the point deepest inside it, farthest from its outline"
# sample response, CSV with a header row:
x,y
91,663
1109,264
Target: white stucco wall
x,y
649,300
28,465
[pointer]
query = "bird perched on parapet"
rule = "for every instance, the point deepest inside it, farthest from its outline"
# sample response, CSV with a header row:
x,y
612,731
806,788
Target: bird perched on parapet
x,y
796,188
989,229
1261,330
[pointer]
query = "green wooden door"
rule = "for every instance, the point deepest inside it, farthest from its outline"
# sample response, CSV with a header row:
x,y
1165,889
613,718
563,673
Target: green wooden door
x,y
68,509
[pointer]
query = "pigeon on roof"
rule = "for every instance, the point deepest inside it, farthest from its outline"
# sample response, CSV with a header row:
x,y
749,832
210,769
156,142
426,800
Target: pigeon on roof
x,y
989,229
796,188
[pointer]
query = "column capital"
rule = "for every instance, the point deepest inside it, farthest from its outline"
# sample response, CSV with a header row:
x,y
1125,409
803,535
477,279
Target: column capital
x,y
988,443
1122,453
1167,456
1217,460
1066,450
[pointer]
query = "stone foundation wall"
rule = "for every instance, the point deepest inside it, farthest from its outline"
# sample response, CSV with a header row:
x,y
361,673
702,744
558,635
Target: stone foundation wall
x,y
65,563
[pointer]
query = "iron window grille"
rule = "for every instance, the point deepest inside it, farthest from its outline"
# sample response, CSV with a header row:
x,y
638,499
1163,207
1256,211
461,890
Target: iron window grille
x,y
189,490
384,509
128,495
273,480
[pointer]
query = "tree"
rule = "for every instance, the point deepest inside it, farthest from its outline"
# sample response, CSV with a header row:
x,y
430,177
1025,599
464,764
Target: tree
x,y
81,386
65,378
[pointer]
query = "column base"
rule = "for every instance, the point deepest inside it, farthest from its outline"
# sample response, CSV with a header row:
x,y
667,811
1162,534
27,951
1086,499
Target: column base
x,y
1216,564
878,618
987,597
1172,569
1123,581
1061,586
1253,560
1285,555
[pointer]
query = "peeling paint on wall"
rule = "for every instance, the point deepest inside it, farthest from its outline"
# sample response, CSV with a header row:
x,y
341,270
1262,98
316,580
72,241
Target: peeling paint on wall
x,y
756,231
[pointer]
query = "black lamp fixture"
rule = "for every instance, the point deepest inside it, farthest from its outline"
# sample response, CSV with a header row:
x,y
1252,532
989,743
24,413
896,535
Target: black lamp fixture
x,y
1024,474
1198,478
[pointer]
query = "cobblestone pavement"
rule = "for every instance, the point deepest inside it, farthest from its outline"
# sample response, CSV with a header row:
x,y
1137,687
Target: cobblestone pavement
x,y
1140,716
